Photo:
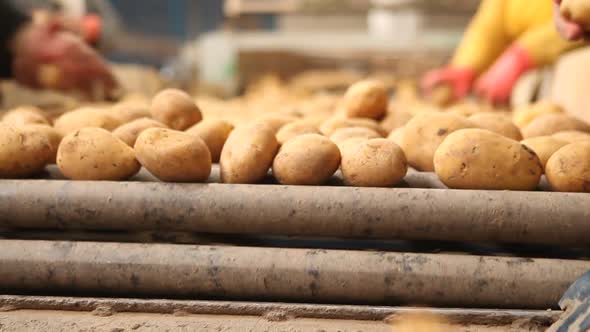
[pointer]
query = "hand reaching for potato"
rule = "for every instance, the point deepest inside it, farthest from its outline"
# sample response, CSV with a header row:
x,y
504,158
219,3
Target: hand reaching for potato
x,y
47,56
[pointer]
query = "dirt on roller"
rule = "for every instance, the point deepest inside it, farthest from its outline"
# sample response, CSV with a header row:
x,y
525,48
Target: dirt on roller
x,y
58,321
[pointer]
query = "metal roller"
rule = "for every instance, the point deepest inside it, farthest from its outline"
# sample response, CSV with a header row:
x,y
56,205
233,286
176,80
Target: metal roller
x,y
390,213
299,275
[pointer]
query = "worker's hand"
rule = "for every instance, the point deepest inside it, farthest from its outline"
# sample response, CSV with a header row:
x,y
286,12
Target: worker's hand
x,y
495,86
88,27
47,56
460,80
568,29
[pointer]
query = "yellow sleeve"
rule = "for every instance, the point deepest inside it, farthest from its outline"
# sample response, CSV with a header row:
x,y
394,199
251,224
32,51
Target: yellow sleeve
x,y
485,39
544,44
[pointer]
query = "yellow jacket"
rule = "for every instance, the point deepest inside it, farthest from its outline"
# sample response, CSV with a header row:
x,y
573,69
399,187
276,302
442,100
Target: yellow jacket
x,y
499,23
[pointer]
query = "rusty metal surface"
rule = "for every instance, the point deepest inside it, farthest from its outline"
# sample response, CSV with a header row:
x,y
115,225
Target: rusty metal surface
x,y
318,276
331,211
318,311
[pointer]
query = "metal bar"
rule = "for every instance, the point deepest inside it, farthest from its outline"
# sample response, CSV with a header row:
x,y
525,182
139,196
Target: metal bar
x,y
392,213
317,311
299,275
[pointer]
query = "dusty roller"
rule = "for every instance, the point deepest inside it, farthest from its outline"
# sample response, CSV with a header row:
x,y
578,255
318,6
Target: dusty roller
x,y
327,211
312,276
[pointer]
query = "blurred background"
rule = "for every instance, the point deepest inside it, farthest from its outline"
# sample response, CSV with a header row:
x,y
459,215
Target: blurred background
x,y
223,46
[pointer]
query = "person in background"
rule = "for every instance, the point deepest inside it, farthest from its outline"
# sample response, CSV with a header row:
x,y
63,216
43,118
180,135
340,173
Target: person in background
x,y
46,53
506,39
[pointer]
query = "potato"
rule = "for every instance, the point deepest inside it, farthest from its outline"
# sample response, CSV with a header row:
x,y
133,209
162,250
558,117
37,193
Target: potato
x,y
214,133
22,153
350,142
176,109
83,118
294,129
394,120
549,124
343,134
25,115
497,123
467,109
481,159
424,133
373,163
248,154
572,136
331,125
365,99
173,156
441,95
126,112
306,160
544,146
525,115
568,169
275,121
396,135
576,11
96,154
130,131
53,136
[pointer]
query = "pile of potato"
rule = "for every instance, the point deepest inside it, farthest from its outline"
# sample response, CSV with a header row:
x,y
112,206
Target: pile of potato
x,y
372,140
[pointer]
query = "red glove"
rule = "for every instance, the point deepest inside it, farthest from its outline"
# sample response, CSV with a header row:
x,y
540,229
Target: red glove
x,y
91,27
568,29
459,79
495,86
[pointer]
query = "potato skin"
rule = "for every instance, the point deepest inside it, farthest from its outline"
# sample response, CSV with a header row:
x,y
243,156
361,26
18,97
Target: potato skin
x,y
83,118
173,156
497,123
176,109
214,133
366,99
126,112
395,119
343,134
22,153
21,116
275,121
572,136
523,116
424,133
373,163
568,169
396,135
329,126
549,124
544,146
96,154
306,160
130,131
294,129
52,135
248,154
481,159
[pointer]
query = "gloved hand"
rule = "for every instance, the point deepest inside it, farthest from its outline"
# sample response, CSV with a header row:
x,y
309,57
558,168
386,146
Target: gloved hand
x,y
568,29
47,56
91,26
460,80
495,85
88,27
